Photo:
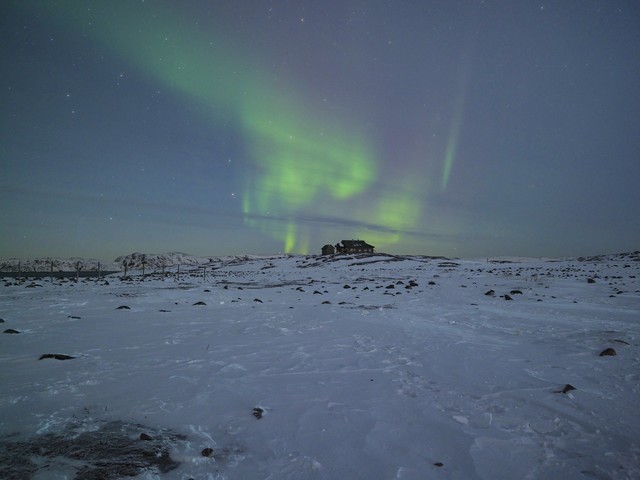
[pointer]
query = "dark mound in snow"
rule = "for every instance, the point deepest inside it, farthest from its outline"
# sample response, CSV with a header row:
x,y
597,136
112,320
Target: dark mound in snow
x,y
114,450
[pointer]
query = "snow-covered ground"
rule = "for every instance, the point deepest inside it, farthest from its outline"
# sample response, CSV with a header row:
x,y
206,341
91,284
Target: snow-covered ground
x,y
360,367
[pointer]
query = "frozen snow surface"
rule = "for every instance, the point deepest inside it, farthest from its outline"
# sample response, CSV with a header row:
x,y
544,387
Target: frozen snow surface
x,y
336,367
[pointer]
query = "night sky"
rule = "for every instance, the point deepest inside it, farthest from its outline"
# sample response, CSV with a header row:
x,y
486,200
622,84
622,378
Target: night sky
x,y
457,128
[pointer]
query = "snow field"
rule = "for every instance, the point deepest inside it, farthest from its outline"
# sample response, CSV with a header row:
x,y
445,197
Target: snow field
x,y
432,381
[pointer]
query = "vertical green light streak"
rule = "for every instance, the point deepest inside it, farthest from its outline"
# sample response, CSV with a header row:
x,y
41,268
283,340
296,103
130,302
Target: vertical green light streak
x,y
452,145
455,127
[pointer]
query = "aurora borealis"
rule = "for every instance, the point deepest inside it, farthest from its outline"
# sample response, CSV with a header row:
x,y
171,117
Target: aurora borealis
x,y
448,128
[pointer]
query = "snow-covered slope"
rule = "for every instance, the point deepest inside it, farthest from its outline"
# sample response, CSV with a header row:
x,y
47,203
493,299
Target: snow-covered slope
x,y
351,367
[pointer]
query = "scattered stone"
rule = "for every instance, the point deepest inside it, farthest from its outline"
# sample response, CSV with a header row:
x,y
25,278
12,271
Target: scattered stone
x,y
508,297
56,356
439,464
73,317
620,341
316,292
1,320
490,293
207,452
164,311
11,330
346,286
515,292
567,388
199,303
326,302
123,307
608,352
257,412
591,280
391,285
206,290
257,300
431,282
146,437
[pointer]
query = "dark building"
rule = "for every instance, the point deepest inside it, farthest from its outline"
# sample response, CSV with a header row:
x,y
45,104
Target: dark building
x,y
328,250
354,246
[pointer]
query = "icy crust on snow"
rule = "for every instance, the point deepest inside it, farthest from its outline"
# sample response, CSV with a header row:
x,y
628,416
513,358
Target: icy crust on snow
x,y
361,367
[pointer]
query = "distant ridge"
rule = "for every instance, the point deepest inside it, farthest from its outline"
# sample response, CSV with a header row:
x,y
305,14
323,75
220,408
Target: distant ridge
x,y
55,264
153,261
629,257
159,260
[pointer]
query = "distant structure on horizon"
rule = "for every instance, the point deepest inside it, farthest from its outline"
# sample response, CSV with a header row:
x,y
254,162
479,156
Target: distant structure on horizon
x,y
348,246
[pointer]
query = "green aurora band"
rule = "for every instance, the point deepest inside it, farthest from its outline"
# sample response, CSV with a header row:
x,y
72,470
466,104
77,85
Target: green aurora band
x,y
302,162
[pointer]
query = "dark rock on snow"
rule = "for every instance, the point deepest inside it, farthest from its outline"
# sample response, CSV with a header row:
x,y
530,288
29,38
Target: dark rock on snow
x,y
608,352
11,330
56,356
207,452
567,388
257,412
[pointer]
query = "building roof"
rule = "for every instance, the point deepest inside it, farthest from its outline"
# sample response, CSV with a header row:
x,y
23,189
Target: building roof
x,y
356,244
